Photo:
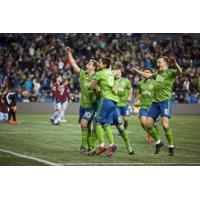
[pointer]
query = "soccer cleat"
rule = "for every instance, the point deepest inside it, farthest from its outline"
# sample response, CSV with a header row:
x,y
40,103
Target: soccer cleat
x,y
171,151
83,149
16,122
101,149
158,147
10,122
57,123
130,150
111,150
86,151
148,138
92,152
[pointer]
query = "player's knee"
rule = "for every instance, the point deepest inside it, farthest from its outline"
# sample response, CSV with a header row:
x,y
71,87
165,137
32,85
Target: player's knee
x,y
84,123
149,122
165,123
125,118
143,122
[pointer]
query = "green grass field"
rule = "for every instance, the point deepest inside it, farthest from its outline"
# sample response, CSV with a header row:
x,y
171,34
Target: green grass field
x,y
37,139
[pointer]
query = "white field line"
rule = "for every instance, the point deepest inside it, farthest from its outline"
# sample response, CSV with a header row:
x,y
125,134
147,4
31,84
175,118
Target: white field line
x,y
132,164
94,164
30,158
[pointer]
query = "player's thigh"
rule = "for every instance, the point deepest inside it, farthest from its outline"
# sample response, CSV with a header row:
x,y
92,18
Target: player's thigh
x,y
105,111
143,120
143,113
57,106
111,109
88,115
166,108
65,105
117,118
149,122
165,122
125,112
153,112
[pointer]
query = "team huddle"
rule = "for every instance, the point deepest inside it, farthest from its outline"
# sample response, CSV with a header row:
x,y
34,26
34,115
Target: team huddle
x,y
105,97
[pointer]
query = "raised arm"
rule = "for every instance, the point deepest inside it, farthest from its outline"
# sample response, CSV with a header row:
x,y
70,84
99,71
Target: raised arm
x,y
130,93
72,61
137,100
178,68
145,75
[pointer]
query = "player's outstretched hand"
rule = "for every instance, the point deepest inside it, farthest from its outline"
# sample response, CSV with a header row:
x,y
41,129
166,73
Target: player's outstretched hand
x,y
172,61
133,69
68,50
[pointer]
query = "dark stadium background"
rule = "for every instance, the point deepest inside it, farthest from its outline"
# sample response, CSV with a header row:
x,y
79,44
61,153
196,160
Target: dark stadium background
x,y
31,61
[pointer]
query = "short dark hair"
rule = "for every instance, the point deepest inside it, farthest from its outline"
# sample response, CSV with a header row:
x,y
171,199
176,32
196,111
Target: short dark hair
x,y
94,62
116,67
166,59
106,61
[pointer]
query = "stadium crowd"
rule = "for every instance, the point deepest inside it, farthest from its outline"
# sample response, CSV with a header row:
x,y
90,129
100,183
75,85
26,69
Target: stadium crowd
x,y
31,62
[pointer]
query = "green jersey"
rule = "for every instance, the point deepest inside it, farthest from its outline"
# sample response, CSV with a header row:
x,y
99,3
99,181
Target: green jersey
x,y
122,87
105,80
88,97
146,89
163,85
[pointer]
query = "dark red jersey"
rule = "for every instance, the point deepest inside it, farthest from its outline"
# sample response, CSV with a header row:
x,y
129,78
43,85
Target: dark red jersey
x,y
65,93
57,92
3,106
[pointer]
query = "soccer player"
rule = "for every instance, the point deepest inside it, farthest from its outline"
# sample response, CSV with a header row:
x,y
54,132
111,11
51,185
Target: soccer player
x,y
3,107
65,99
124,91
117,121
162,104
88,99
10,99
56,117
104,77
144,99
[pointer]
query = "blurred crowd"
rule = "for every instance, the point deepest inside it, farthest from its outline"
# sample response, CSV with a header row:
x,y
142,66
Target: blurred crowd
x,y
30,62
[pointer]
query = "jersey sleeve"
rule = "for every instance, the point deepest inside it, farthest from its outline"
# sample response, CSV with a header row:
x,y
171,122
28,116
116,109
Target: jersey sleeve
x,y
97,77
172,73
81,74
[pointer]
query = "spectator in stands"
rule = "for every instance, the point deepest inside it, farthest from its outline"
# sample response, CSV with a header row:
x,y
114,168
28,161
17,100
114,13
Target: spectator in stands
x,y
42,56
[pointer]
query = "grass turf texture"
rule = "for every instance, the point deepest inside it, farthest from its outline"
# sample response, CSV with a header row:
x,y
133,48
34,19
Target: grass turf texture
x,y
36,137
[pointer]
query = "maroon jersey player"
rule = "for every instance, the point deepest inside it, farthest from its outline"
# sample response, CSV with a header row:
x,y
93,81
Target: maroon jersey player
x,y
57,98
65,99
3,109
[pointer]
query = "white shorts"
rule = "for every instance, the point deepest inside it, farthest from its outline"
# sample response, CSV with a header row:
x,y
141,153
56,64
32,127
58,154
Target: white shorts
x,y
65,105
3,116
57,105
